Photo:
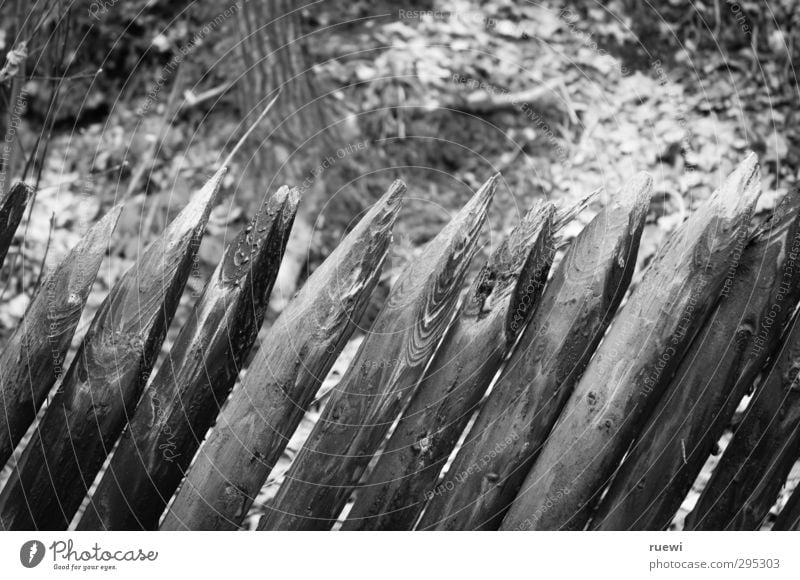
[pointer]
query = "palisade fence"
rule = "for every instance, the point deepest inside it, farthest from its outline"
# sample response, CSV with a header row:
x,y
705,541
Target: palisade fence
x,y
549,395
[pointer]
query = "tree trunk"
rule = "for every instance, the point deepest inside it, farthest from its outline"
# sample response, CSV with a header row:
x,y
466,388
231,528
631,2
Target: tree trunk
x,y
303,136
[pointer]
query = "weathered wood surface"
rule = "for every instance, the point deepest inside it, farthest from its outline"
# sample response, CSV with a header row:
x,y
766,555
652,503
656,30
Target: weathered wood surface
x,y
12,208
281,382
636,360
576,308
105,380
32,360
493,313
749,476
724,360
184,397
789,518
381,377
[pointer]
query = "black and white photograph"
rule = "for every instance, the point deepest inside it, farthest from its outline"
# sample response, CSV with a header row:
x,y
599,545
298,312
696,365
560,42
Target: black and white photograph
x,y
272,266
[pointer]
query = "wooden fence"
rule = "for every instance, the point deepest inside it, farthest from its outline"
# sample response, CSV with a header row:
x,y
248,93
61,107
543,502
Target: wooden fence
x,y
557,392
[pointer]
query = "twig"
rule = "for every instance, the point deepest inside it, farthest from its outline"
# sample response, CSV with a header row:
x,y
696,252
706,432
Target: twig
x,y
251,129
46,251
52,118
150,159
192,99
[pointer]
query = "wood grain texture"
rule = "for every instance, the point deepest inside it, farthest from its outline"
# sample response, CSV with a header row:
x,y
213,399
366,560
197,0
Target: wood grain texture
x,y
750,474
495,309
32,360
636,360
381,378
12,207
184,397
789,518
721,366
281,382
101,388
575,310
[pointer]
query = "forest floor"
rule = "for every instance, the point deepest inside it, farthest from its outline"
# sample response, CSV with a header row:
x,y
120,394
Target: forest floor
x,y
560,101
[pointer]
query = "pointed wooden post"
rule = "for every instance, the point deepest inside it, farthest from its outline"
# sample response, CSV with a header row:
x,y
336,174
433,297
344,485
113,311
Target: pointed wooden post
x,y
32,360
281,382
499,303
105,380
713,377
184,397
381,377
750,474
575,310
636,360
789,518
12,208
